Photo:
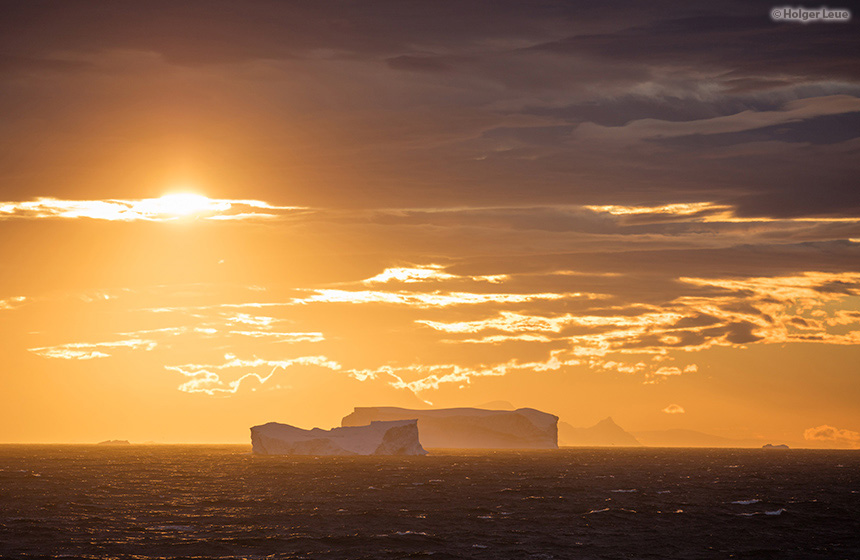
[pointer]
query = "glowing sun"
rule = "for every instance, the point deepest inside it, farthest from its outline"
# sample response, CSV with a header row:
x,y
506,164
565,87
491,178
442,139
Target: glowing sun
x,y
182,204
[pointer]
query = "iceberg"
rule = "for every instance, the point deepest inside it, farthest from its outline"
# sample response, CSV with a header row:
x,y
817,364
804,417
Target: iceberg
x,y
377,438
604,433
470,428
115,442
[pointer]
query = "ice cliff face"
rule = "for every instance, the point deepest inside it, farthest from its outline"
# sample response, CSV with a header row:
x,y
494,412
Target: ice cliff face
x,y
377,438
471,428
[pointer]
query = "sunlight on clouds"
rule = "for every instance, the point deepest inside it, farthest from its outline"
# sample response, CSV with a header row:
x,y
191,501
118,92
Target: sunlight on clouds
x,y
12,303
611,334
409,275
283,336
426,273
204,379
89,351
620,367
809,287
708,212
516,322
435,299
166,208
827,433
247,319
431,376
679,209
499,338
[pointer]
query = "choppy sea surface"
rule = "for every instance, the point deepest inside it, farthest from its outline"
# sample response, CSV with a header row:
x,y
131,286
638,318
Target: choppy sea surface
x,y
222,502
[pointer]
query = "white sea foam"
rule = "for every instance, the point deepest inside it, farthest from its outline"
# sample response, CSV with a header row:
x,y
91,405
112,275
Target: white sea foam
x,y
625,491
596,511
779,511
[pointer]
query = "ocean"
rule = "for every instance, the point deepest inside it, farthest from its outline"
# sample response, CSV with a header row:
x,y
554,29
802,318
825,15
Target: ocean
x,y
219,501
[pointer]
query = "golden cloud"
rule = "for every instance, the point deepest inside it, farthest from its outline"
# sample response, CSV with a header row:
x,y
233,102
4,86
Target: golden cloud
x,y
830,434
166,208
89,351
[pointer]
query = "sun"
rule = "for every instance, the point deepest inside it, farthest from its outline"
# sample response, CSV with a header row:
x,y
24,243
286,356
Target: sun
x,y
182,204
179,205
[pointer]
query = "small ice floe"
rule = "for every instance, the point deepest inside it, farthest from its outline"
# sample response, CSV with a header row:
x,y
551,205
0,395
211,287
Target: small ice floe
x,y
479,546
746,502
664,491
625,491
779,511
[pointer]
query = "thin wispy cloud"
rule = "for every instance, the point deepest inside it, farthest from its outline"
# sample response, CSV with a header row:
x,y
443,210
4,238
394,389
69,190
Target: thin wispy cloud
x,y
207,378
90,351
607,332
169,207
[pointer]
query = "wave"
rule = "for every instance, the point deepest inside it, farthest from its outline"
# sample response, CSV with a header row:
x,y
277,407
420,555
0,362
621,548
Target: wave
x,y
779,511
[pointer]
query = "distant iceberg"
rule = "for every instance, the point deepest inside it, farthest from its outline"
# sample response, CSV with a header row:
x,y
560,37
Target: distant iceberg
x,y
377,438
470,428
772,446
604,433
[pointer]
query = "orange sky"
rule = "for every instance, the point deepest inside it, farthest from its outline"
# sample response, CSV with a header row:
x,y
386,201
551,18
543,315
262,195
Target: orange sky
x,y
197,236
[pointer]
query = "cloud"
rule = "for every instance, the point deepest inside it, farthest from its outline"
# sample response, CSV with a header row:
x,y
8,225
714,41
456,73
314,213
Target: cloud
x,y
426,273
423,300
674,409
207,378
827,433
282,336
12,302
166,208
432,376
89,351
649,331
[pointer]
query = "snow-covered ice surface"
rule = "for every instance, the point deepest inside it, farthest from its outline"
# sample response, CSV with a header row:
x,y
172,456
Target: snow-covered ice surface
x,y
471,428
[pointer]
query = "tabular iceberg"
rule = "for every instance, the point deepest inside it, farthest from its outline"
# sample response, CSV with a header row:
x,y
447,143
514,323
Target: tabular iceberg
x,y
471,428
377,438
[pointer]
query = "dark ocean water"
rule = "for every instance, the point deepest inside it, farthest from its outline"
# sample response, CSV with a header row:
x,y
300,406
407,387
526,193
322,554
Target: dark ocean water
x,y
222,502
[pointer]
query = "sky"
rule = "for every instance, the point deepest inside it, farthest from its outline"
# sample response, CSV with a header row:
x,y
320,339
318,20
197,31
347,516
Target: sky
x,y
218,214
